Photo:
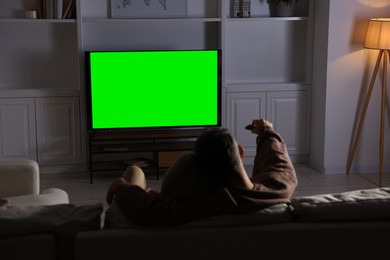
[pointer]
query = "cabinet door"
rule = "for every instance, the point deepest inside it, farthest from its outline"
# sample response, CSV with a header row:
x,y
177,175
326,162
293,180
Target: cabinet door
x,y
287,111
17,128
58,130
242,108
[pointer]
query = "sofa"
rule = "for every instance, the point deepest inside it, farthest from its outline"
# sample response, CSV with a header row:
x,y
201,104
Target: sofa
x,y
348,225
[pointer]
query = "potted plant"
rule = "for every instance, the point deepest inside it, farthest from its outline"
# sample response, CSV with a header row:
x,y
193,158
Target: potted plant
x,y
282,8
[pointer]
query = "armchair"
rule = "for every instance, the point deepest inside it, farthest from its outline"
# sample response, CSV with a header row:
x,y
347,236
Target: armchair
x,y
20,186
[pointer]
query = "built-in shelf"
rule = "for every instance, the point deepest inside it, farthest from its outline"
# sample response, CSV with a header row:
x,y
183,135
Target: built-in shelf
x,y
266,18
118,142
150,20
44,92
23,20
266,86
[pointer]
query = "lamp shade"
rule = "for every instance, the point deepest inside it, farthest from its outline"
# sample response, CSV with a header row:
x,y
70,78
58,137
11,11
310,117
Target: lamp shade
x,y
378,34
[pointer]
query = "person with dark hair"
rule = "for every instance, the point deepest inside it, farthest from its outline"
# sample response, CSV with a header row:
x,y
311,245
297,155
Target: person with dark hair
x,y
219,156
210,181
273,177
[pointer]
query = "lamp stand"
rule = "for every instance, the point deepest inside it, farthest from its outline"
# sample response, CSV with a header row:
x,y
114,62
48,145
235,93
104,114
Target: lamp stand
x,y
385,55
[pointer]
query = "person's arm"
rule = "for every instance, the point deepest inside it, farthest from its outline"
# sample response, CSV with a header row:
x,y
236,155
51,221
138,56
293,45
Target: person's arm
x,y
113,189
273,171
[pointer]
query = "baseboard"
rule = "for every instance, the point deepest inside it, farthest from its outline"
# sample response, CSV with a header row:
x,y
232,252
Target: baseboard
x,y
343,169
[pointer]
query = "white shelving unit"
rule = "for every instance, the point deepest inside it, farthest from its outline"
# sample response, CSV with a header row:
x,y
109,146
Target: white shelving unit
x,y
40,63
267,73
266,68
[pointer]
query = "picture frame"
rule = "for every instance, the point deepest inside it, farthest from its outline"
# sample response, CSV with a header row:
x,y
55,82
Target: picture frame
x,y
148,8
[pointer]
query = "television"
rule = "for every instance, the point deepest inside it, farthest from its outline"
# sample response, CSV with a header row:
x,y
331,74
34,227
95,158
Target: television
x,y
153,89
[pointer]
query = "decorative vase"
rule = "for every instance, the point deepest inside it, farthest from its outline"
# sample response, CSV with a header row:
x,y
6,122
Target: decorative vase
x,y
282,9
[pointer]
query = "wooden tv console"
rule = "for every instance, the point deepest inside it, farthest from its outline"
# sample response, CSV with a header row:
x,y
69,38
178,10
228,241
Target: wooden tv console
x,y
110,150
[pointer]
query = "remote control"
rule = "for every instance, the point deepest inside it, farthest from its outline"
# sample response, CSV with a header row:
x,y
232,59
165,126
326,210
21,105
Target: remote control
x,y
249,127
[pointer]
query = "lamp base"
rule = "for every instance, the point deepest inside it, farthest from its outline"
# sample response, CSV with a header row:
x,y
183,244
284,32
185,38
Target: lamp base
x,y
385,55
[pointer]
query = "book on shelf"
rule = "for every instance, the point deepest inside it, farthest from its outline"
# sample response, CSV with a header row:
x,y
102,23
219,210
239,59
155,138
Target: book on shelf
x,y
70,10
57,9
49,9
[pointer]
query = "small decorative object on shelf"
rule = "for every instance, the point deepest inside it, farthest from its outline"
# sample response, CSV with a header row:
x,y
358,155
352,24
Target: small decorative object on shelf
x,y
241,8
282,8
148,8
236,8
31,14
246,8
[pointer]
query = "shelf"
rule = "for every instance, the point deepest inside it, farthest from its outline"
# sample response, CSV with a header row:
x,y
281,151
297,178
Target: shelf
x,y
150,20
267,18
265,86
23,20
117,144
146,134
44,92
108,166
118,166
142,147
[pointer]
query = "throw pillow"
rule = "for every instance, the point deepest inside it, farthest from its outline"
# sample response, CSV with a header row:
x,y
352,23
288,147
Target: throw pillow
x,y
60,218
352,205
279,213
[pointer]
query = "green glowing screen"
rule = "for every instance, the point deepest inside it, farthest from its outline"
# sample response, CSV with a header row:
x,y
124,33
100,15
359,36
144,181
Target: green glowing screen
x,y
153,89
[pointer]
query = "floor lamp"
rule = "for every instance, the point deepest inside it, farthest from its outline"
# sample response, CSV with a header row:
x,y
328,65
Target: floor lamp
x,y
377,38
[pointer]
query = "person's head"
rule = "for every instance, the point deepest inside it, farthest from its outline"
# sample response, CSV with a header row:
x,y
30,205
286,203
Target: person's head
x,y
217,154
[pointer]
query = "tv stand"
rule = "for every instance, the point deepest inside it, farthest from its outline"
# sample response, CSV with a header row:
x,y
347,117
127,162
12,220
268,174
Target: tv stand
x,y
111,151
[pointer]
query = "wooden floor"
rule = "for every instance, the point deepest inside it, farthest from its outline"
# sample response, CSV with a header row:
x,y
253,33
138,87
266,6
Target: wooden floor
x,y
82,192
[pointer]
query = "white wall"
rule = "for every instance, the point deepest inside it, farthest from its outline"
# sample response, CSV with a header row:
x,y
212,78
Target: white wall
x,y
342,71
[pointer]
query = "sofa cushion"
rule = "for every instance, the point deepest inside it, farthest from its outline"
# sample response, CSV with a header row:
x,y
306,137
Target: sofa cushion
x,y
50,196
274,214
61,218
279,213
64,221
34,246
351,205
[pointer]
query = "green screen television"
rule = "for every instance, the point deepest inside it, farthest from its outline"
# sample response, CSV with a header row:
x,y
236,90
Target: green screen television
x,y
153,89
